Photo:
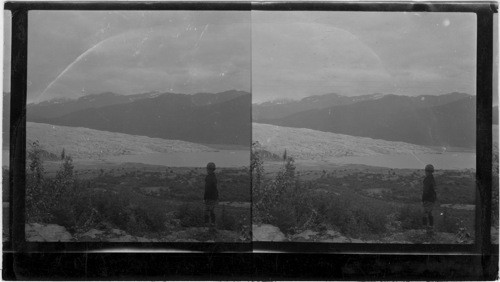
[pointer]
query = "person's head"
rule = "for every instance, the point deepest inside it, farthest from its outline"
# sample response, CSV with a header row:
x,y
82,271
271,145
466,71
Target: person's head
x,y
429,169
210,167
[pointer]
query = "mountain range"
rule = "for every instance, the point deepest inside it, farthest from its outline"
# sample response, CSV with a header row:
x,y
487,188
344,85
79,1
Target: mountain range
x,y
211,118
284,107
224,118
444,120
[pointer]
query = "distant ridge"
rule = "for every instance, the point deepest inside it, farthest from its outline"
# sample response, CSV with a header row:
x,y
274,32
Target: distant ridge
x,y
445,120
62,106
285,107
219,118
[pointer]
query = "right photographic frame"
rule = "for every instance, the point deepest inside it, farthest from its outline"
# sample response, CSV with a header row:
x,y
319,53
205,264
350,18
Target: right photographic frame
x,y
365,128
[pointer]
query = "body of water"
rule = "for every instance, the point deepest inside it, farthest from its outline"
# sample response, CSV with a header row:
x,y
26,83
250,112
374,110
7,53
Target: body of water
x,y
451,160
222,158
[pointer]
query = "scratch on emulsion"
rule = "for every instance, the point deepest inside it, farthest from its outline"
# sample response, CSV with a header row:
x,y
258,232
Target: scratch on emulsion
x,y
201,35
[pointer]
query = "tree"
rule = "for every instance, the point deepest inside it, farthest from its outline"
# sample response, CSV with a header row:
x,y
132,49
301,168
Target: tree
x,y
64,179
256,167
35,203
36,162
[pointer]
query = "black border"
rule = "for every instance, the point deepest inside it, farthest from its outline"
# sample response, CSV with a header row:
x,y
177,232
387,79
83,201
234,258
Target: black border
x,y
482,256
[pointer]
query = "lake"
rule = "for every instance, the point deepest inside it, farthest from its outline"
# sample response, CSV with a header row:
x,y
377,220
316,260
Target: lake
x,y
222,158
449,160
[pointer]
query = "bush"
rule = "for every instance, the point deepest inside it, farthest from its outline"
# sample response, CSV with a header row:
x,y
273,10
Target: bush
x,y
349,216
112,208
133,218
267,196
227,221
284,219
154,218
36,203
191,215
64,216
340,215
372,219
410,217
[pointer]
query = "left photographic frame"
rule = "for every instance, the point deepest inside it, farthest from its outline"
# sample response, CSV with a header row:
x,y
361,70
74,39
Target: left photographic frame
x,y
138,128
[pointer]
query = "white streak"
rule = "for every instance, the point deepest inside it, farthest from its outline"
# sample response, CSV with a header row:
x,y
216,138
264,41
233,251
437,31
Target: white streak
x,y
417,158
201,35
70,65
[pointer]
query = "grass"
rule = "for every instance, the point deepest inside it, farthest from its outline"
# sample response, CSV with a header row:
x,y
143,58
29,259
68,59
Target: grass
x,y
114,197
369,204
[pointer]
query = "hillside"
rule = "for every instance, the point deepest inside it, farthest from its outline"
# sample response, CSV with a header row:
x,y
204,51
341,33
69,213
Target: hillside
x,y
60,107
282,108
308,144
84,143
216,119
395,118
268,233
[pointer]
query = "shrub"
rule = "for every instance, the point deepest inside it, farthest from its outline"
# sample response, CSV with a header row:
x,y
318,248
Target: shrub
x,y
191,215
449,222
339,215
35,203
372,219
64,216
268,195
349,216
227,221
112,208
410,217
283,219
154,218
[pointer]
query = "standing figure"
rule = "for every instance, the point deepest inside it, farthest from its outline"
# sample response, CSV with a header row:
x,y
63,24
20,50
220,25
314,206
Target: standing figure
x,y
211,196
428,198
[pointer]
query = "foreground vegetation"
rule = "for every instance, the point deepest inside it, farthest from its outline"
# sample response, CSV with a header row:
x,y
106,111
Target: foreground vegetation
x,y
141,203
357,203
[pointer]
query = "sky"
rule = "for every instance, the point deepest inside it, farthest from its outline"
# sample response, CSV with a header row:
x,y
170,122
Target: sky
x,y
273,54
299,54
76,53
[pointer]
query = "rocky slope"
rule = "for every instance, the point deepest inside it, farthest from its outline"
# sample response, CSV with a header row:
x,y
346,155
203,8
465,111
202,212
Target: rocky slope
x,y
37,232
308,144
84,143
267,232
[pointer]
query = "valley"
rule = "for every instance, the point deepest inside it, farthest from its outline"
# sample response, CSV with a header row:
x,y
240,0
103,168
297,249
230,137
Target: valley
x,y
116,168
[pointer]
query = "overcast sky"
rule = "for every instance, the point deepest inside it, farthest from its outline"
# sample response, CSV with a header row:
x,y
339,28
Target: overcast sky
x,y
75,53
298,54
276,54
